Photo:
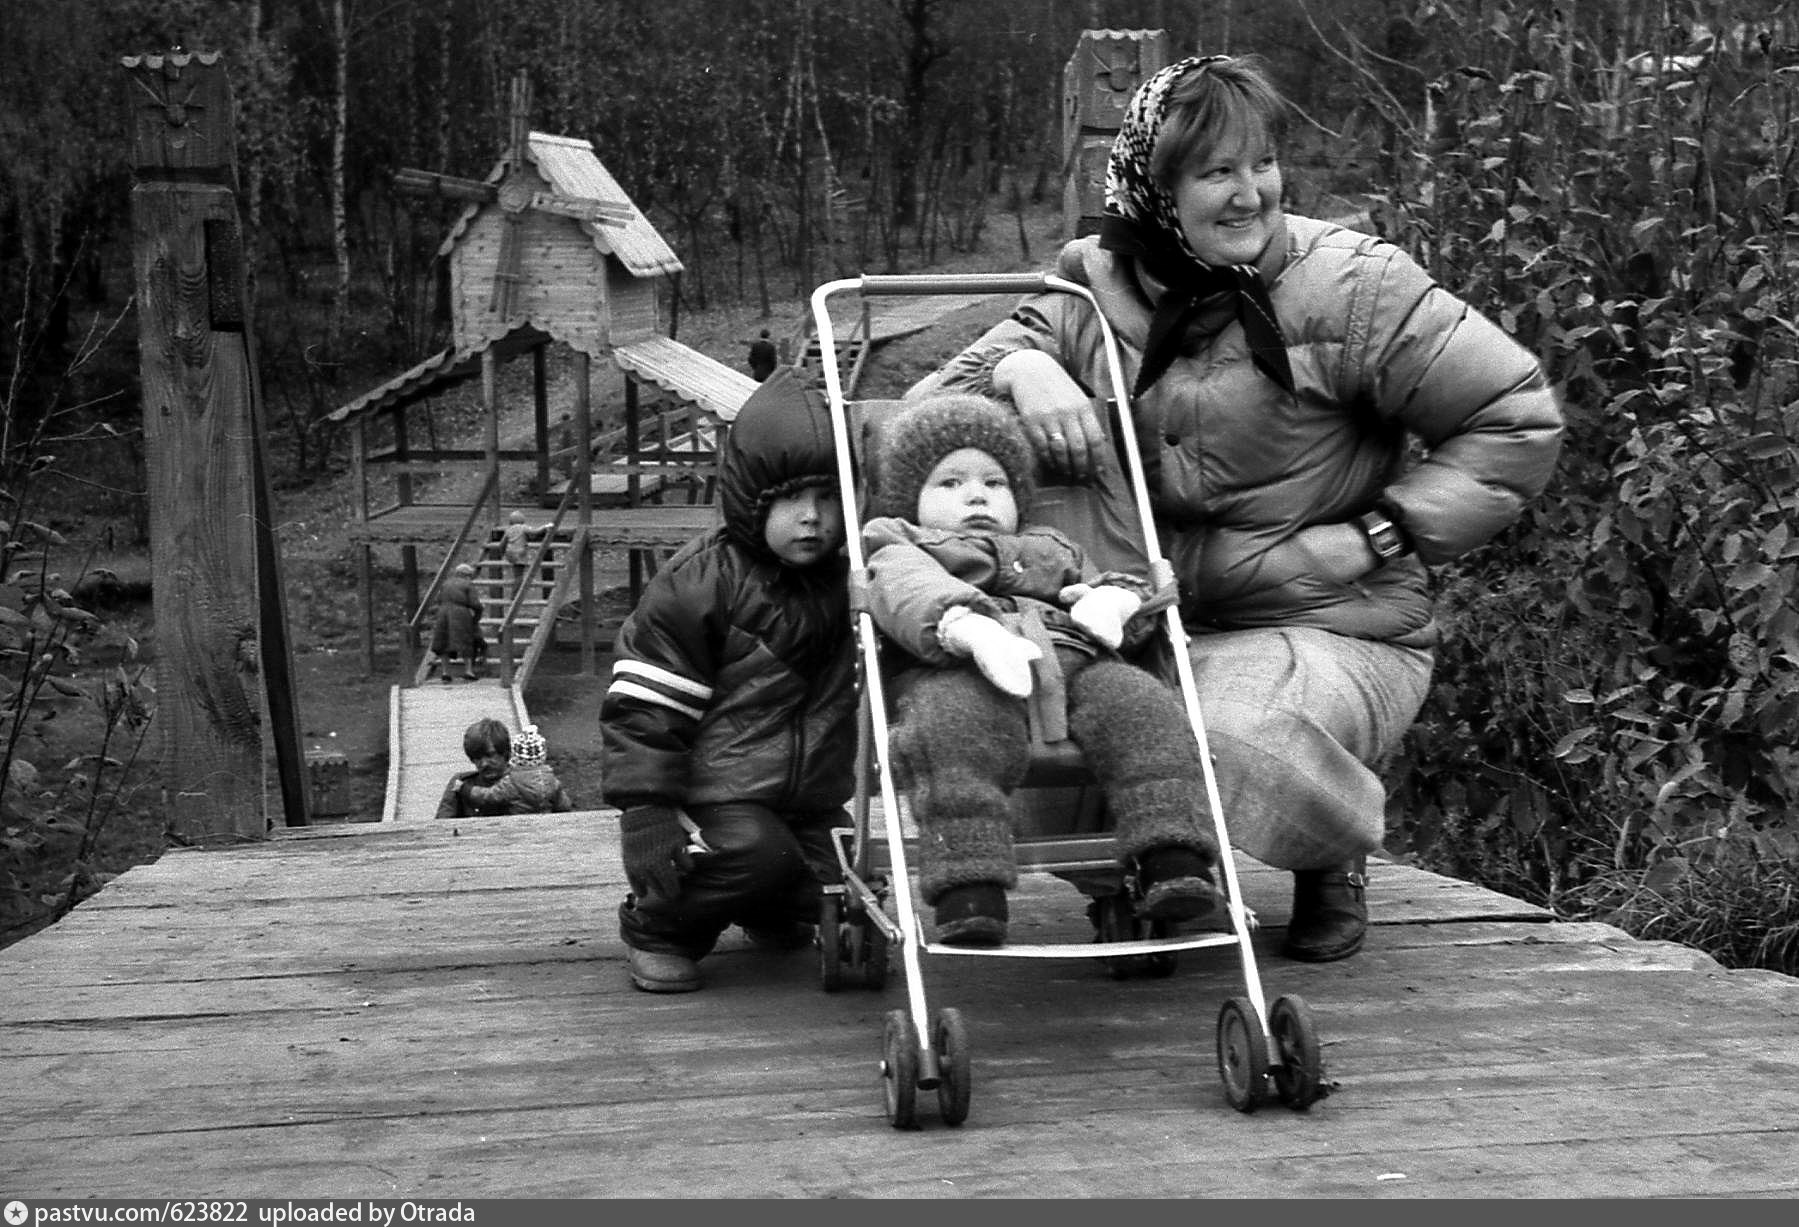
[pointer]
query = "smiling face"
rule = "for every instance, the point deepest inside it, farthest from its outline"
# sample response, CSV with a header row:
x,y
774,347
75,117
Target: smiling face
x,y
806,526
968,491
1228,200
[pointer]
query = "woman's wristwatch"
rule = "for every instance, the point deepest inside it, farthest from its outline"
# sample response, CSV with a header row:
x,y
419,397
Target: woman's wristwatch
x,y
1385,538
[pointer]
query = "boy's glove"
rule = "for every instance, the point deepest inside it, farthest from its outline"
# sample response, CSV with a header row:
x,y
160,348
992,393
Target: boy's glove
x,y
655,849
1002,657
1101,612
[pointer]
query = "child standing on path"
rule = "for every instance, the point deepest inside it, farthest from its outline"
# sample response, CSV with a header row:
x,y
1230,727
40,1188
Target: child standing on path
x,y
953,577
728,731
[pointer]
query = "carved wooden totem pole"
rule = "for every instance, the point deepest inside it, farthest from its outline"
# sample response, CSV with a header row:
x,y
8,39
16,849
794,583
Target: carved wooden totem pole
x,y
224,674
1105,70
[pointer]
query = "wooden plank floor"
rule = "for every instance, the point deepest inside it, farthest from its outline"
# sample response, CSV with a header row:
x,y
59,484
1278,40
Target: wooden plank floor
x,y
441,1010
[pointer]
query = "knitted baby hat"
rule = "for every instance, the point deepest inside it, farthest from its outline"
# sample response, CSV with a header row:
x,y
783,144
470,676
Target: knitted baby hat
x,y
528,746
918,437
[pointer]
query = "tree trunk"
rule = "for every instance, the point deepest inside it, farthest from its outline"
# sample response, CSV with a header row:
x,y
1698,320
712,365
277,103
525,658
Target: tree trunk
x,y
340,121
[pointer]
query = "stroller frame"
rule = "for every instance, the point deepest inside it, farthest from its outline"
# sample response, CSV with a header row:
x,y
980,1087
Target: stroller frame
x,y
1263,1051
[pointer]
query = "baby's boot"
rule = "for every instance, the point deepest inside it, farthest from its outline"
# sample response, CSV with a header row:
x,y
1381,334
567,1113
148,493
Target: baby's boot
x,y
973,914
1176,883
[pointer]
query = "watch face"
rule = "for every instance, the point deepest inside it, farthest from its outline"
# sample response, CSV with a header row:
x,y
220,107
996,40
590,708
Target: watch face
x,y
1383,536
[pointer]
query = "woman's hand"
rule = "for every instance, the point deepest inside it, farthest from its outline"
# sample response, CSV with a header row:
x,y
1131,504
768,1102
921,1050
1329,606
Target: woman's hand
x,y
1057,415
1341,551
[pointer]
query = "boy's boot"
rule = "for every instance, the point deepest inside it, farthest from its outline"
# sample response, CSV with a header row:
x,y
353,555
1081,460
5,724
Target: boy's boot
x,y
662,973
1330,912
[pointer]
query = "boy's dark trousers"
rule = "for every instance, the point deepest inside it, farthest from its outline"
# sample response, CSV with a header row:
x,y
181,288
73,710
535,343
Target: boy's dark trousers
x,y
764,872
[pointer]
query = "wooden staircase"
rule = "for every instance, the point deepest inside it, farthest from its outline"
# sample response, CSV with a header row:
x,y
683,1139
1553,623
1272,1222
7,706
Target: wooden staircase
x,y
493,581
852,352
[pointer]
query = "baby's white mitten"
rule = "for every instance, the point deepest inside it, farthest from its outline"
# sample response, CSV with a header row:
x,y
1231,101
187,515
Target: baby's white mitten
x,y
1103,611
1002,657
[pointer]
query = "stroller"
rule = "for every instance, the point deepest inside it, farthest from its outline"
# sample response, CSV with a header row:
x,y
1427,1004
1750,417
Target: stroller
x,y
1262,1051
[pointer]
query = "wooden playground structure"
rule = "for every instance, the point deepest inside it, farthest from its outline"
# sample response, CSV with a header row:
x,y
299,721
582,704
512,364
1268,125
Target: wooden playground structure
x,y
548,252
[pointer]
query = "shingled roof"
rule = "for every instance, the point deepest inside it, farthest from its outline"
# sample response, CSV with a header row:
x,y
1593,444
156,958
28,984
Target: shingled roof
x,y
572,168
697,378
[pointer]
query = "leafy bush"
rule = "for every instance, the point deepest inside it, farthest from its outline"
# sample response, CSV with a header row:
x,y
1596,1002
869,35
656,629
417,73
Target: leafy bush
x,y
1620,684
75,703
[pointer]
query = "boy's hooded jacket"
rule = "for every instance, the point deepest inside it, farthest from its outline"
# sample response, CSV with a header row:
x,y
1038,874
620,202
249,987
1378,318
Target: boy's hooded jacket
x,y
735,675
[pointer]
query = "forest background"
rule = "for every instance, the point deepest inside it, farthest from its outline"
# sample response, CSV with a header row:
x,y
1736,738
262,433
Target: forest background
x,y
1611,728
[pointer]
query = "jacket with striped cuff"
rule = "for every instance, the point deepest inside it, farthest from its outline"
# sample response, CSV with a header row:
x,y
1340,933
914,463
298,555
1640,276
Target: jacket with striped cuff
x,y
734,677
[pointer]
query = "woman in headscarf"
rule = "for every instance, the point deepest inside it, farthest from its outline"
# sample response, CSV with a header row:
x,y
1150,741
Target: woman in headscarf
x,y
1281,369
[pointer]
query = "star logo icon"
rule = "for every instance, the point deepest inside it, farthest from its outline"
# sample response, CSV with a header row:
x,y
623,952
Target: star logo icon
x,y
16,1213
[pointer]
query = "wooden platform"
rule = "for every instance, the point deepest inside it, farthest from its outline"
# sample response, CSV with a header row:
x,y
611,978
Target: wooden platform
x,y
441,1010
613,527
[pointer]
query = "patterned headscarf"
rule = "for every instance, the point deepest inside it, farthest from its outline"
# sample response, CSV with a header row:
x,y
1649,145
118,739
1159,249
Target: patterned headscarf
x,y
1141,221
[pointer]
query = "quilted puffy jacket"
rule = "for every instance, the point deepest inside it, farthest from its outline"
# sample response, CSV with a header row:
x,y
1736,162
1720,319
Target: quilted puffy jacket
x,y
734,677
1237,466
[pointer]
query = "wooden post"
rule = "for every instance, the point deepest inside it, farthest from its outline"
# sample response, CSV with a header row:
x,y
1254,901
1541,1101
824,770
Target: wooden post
x,y
583,470
490,407
365,572
222,658
540,413
1105,70
365,586
633,486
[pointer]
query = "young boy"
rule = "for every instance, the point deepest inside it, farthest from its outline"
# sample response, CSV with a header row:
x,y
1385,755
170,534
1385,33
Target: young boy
x,y
953,577
728,731
481,792
531,787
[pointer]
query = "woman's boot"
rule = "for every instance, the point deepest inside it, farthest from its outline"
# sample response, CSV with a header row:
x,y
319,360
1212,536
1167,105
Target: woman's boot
x,y
1330,912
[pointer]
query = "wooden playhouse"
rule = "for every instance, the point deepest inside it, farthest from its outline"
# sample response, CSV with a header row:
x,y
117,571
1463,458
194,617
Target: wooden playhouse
x,y
547,251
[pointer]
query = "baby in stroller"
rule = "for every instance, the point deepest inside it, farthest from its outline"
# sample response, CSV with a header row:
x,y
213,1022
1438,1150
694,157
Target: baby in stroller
x,y
954,579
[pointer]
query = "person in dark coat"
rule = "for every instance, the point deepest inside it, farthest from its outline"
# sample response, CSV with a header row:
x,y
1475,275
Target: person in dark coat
x,y
1282,372
973,599
762,357
728,736
456,635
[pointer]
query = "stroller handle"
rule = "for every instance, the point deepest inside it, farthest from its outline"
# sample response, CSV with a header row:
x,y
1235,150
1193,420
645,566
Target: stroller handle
x,y
954,283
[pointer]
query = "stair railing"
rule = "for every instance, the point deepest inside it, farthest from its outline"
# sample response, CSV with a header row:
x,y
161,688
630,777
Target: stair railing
x,y
411,664
566,578
531,579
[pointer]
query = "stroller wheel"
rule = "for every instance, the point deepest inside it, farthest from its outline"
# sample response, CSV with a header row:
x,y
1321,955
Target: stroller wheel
x,y
899,1070
1299,1073
950,1038
1242,1055
830,942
